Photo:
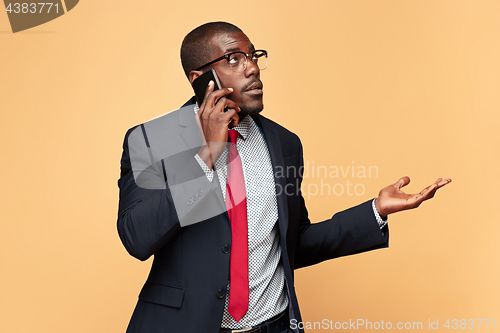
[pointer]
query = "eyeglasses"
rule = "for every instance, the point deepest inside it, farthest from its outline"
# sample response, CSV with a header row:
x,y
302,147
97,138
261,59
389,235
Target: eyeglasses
x,y
238,60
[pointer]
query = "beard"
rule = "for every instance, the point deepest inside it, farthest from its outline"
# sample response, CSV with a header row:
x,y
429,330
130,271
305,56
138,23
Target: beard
x,y
250,110
255,106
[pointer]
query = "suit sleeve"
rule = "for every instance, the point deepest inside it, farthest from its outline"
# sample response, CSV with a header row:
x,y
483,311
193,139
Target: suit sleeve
x,y
348,232
152,210
146,217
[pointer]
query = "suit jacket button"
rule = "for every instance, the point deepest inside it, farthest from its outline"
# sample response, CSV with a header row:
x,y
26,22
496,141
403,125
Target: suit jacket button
x,y
226,248
200,192
190,202
221,293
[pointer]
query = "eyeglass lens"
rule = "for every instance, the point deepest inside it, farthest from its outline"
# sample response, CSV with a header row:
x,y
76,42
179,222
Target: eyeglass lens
x,y
238,63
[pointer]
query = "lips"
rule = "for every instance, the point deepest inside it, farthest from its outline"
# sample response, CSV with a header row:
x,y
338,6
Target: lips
x,y
254,88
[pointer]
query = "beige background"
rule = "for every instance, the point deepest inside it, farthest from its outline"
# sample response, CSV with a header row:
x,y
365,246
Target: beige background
x,y
411,87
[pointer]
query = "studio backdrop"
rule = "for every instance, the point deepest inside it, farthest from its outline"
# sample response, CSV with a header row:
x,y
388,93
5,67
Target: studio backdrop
x,y
375,89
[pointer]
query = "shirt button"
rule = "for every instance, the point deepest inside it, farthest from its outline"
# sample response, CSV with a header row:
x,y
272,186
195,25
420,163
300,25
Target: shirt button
x,y
226,248
221,293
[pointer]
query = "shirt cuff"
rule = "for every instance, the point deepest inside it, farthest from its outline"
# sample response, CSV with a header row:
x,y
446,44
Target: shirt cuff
x,y
208,172
381,222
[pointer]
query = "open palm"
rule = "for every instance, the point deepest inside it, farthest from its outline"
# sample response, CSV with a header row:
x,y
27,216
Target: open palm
x,y
391,199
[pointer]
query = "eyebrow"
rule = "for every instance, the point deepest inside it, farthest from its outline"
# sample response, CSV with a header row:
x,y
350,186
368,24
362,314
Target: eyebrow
x,y
233,49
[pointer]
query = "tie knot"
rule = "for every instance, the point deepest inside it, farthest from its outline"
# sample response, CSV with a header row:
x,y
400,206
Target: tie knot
x,y
233,135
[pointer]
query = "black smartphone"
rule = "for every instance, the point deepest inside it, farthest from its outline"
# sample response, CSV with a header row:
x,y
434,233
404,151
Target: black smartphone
x,y
200,84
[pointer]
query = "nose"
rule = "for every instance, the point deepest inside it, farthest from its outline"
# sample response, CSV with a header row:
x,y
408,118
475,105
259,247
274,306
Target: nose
x,y
252,69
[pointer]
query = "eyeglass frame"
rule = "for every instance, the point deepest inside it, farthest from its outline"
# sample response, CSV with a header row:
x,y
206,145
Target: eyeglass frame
x,y
227,56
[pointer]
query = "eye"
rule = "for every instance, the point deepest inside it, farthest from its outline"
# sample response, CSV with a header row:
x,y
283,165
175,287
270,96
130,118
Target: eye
x,y
234,59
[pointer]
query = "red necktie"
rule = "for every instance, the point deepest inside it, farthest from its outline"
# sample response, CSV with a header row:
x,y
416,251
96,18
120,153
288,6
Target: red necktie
x,y
236,204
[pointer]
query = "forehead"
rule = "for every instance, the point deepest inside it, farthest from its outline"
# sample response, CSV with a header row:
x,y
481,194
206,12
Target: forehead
x,y
223,43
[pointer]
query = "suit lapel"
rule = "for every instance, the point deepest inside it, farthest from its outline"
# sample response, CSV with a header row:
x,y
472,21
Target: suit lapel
x,y
274,146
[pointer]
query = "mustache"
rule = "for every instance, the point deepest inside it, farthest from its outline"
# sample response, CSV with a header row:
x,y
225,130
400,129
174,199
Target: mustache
x,y
254,80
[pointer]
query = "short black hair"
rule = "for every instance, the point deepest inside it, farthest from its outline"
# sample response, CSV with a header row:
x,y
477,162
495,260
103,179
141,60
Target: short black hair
x,y
195,49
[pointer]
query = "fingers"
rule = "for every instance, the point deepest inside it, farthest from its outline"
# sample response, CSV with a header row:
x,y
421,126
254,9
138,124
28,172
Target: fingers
x,y
227,110
212,97
225,104
231,111
442,182
215,103
414,200
210,88
426,192
231,117
430,191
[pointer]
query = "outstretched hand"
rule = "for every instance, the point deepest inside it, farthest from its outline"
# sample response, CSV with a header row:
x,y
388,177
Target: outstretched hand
x,y
391,199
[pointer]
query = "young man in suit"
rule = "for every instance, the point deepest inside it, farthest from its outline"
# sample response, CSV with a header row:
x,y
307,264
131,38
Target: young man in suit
x,y
227,223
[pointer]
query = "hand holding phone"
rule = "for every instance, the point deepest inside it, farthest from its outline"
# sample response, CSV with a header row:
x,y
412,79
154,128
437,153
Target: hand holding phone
x,y
215,115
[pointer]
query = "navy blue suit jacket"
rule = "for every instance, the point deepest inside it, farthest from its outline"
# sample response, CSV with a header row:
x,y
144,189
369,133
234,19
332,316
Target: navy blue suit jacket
x,y
185,290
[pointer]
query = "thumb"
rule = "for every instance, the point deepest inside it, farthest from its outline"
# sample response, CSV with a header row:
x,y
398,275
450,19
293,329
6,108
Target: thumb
x,y
402,182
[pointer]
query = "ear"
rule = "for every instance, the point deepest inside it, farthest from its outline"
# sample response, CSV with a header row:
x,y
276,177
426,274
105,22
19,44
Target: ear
x,y
193,75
